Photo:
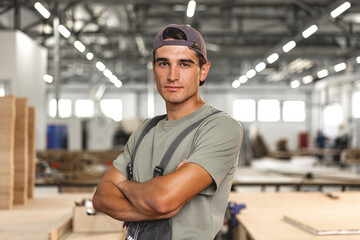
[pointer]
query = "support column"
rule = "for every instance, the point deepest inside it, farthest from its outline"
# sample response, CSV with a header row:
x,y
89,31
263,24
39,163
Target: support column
x,y
57,76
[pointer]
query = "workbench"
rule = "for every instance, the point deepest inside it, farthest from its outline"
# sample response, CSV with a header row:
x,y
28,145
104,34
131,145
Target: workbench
x,y
263,217
296,174
44,217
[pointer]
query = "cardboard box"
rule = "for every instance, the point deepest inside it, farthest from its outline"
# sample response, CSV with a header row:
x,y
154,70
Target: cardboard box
x,y
82,222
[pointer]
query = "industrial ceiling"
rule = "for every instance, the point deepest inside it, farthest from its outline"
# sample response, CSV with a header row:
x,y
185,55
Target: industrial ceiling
x,y
239,35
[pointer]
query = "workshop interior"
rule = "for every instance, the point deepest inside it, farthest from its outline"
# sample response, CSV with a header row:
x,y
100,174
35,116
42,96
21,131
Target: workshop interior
x,y
77,79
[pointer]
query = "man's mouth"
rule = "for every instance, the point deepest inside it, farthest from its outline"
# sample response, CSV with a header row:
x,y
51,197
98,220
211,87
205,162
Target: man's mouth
x,y
172,88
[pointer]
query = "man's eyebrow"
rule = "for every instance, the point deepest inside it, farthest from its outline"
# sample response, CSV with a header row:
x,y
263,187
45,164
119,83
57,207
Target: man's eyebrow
x,y
187,61
161,59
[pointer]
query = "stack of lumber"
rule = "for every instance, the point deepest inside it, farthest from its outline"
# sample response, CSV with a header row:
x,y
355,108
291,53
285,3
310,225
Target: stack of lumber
x,y
17,151
7,129
31,152
21,151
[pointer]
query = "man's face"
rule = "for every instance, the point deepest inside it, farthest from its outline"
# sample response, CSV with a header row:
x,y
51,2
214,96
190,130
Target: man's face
x,y
177,74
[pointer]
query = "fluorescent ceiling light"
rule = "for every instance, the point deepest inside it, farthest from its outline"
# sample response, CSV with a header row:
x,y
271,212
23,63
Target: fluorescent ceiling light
x,y
89,56
113,78
307,79
358,59
339,10
309,31
100,66
191,8
290,45
260,66
79,46
251,73
48,78
339,67
295,84
42,10
118,83
243,79
323,73
140,44
272,58
107,73
64,31
236,84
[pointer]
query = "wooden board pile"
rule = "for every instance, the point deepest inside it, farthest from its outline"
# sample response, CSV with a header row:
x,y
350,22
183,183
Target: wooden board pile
x,y
17,151
7,136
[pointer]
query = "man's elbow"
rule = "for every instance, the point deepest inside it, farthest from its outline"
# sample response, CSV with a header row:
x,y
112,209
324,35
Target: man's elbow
x,y
163,205
96,202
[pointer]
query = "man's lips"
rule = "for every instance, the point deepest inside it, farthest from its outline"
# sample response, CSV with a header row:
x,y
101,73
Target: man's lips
x,y
173,88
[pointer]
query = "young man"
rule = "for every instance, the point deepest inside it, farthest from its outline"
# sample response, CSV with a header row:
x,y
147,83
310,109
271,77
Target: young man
x,y
194,188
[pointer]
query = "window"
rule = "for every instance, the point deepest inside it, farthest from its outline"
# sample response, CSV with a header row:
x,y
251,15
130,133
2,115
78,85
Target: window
x,y
112,108
333,117
294,111
2,90
84,108
64,108
244,110
269,110
355,105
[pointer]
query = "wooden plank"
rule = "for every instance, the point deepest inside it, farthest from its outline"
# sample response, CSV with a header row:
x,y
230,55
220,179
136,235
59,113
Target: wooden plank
x,y
31,151
38,217
21,151
264,214
7,132
59,231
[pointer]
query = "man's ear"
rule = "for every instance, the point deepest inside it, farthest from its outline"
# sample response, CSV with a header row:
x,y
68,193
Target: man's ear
x,y
204,71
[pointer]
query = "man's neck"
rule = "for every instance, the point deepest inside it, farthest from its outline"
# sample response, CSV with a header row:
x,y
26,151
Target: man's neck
x,y
177,111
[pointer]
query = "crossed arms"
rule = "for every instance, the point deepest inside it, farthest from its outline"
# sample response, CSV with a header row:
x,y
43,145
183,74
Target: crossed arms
x,y
160,197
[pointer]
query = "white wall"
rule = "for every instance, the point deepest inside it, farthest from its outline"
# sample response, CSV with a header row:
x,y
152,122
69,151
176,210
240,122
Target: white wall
x,y
23,63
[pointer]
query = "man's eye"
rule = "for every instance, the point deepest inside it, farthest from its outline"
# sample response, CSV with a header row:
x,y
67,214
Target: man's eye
x,y
163,64
185,65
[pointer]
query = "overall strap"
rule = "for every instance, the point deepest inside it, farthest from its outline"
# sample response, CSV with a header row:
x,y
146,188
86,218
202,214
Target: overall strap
x,y
153,122
159,170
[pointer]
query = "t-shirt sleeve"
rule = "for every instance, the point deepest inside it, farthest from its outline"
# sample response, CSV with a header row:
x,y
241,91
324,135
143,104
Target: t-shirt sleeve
x,y
121,162
216,148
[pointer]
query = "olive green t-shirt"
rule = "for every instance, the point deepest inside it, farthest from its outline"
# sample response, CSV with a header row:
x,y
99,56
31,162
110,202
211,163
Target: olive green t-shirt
x,y
214,145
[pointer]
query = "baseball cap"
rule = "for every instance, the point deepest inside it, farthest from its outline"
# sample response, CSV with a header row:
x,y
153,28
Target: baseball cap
x,y
194,40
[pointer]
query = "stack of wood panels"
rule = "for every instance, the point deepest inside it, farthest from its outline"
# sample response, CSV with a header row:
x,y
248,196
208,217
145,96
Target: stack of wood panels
x,y
31,152
21,151
7,130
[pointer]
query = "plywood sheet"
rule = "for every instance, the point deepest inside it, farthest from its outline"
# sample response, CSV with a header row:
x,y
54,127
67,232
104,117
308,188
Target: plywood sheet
x,y
7,130
21,151
339,216
38,217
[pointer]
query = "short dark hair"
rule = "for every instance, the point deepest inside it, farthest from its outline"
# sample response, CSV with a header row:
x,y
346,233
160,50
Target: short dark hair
x,y
177,34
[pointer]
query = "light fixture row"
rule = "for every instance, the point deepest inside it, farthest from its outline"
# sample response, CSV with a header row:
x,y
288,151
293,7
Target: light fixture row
x,y
321,74
80,47
287,48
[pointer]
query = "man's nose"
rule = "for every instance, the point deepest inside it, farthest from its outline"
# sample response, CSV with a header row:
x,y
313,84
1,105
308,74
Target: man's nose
x,y
174,73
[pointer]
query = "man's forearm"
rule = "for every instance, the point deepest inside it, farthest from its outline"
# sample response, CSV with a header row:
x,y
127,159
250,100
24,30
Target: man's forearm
x,y
113,203
146,197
